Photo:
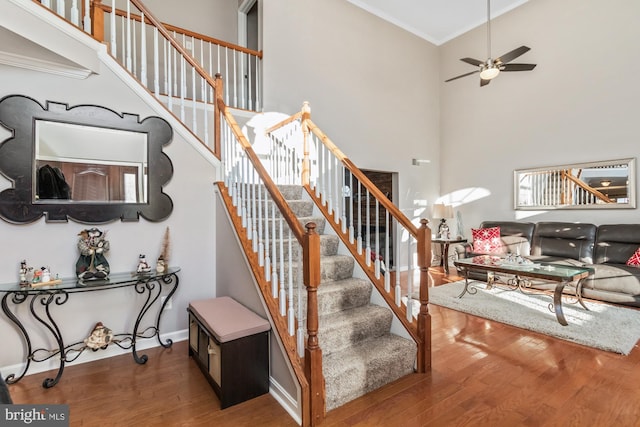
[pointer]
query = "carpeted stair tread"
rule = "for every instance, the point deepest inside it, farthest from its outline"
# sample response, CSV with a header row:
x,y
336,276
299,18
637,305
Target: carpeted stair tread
x,y
347,327
300,208
366,366
340,295
332,268
328,246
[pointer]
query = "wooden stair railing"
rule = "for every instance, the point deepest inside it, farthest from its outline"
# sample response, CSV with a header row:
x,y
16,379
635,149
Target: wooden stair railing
x,y
349,200
240,66
170,72
268,233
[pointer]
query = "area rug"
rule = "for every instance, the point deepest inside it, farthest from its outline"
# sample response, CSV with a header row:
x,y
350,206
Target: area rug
x,y
604,326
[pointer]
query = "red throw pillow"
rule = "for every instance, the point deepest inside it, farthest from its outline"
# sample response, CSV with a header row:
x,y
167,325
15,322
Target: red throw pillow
x,y
487,240
634,261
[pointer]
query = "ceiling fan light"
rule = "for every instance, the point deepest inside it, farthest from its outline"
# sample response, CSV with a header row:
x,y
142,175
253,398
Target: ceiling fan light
x,y
489,73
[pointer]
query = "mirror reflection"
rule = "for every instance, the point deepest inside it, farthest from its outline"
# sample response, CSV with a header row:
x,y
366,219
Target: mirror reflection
x,y
77,163
607,184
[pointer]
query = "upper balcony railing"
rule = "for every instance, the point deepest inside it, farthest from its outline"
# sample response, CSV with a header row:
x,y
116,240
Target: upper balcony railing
x,y
176,65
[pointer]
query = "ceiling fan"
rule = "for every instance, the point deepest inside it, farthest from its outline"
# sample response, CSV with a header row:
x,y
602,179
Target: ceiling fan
x,y
490,68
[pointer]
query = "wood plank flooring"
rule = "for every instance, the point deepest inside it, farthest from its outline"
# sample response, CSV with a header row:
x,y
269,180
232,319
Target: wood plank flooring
x,y
484,374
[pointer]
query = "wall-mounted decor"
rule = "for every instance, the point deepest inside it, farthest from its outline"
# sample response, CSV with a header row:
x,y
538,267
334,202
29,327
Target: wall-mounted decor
x,y
86,162
607,184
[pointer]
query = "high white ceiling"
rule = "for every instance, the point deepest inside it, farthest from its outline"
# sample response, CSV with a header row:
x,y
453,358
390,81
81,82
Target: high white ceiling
x,y
437,21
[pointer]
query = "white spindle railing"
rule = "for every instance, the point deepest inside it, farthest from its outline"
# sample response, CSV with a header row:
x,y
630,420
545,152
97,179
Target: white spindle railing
x,y
149,52
278,250
383,243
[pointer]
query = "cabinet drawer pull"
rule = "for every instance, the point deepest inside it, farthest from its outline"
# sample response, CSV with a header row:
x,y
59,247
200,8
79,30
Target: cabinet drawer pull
x,y
211,350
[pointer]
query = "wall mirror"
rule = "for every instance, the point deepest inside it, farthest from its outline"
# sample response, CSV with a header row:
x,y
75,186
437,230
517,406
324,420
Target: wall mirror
x,y
597,185
87,163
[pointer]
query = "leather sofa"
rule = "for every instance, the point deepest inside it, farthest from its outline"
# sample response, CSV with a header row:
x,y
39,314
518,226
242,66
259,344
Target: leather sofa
x,y
604,248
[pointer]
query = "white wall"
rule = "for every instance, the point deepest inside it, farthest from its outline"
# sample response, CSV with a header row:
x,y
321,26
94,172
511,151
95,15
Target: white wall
x,y
579,104
214,18
373,88
192,226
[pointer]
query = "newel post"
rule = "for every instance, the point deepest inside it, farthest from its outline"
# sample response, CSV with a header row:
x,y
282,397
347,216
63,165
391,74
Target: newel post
x,y
97,20
424,318
306,165
217,99
312,351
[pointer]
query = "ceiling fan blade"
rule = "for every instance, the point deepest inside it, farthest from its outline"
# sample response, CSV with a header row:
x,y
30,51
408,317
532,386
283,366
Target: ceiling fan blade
x,y
484,82
472,61
510,56
518,67
462,75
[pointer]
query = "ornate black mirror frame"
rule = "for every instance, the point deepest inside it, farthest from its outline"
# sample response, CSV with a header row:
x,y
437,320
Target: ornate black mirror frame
x,y
19,113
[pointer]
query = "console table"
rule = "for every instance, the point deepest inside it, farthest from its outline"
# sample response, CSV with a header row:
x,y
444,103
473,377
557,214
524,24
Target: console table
x,y
42,299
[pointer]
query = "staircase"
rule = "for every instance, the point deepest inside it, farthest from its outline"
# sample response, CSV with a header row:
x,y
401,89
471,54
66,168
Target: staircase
x,y
359,352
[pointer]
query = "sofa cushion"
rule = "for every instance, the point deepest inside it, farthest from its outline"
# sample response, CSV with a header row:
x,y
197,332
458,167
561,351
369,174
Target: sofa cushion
x,y
634,261
614,278
487,240
616,243
564,240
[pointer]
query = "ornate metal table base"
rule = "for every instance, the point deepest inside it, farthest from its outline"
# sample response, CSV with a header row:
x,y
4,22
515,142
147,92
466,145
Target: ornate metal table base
x,y
41,302
523,284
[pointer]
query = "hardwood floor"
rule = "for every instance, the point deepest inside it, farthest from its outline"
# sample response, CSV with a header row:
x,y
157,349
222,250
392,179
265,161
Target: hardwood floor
x,y
484,374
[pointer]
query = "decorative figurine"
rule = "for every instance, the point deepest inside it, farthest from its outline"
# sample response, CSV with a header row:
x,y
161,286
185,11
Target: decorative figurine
x,y
92,264
24,270
160,265
143,265
46,274
100,337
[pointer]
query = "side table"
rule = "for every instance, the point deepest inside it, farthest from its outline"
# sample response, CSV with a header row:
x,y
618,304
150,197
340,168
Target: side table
x,y
444,250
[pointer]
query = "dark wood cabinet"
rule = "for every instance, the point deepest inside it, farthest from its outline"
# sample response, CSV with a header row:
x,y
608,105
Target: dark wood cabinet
x,y
238,370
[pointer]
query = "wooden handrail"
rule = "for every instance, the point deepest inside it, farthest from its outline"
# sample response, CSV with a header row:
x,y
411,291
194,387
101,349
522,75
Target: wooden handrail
x,y
373,189
283,123
122,13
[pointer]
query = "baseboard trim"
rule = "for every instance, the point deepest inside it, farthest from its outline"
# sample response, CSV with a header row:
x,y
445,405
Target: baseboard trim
x,y
92,356
285,400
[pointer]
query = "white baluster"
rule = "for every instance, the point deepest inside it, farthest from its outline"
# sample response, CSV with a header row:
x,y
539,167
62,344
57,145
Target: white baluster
x,y
226,74
112,29
377,251
128,49
274,254
351,202
75,15
359,231
283,292
143,52
87,16
368,231
249,82
291,312
387,275
410,280
61,8
156,64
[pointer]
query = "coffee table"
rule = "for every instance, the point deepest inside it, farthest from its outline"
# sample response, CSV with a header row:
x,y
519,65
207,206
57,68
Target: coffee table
x,y
522,274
